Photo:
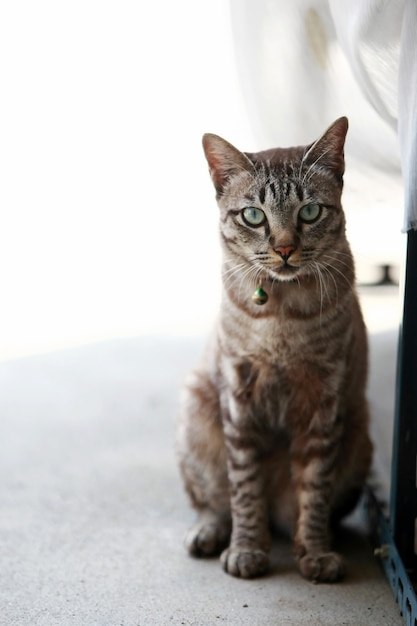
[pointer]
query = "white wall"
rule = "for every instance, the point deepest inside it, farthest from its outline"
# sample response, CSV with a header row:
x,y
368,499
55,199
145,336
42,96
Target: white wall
x,y
108,219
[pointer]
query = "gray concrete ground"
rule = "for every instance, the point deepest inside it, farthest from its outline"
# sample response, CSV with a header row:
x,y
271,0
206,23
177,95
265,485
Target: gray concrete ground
x,y
93,511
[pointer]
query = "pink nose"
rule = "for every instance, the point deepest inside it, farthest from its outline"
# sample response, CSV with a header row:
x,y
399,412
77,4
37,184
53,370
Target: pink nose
x,y
285,251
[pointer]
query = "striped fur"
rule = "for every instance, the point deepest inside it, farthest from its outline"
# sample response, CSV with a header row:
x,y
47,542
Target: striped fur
x,y
274,423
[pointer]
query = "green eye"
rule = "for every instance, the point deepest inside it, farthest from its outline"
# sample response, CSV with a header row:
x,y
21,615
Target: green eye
x,y
310,212
253,216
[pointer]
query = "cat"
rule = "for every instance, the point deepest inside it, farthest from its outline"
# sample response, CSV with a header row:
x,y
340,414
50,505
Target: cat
x,y
273,425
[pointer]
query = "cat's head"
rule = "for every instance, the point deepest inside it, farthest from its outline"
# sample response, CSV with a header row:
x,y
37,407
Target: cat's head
x,y
281,210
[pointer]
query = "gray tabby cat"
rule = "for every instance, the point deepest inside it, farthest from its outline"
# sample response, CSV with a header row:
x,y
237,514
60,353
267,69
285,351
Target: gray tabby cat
x,y
274,423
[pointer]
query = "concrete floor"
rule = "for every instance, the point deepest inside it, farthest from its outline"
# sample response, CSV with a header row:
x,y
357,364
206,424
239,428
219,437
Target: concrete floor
x,y
93,510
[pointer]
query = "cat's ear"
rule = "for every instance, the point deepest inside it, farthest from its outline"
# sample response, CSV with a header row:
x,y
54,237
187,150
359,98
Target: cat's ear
x,y
224,160
328,151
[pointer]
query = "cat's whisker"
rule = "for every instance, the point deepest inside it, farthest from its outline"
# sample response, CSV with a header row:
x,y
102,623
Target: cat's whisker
x,y
231,269
333,258
336,251
311,168
256,277
255,271
318,274
301,164
246,276
235,268
231,273
342,253
324,272
242,278
323,253
335,269
330,274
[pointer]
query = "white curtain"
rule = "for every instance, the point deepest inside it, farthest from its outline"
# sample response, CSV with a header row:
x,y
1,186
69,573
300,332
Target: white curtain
x,y
304,63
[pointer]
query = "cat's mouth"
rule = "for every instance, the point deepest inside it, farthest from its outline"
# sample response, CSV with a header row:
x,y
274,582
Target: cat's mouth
x,y
287,273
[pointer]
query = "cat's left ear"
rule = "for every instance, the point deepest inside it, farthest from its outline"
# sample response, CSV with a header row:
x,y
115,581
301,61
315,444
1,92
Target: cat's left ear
x,y
328,151
224,160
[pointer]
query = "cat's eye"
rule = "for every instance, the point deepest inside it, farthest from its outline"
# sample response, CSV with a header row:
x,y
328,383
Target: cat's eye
x,y
253,216
309,212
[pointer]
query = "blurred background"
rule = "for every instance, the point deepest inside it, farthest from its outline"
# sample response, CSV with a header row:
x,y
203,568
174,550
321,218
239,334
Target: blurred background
x,y
109,223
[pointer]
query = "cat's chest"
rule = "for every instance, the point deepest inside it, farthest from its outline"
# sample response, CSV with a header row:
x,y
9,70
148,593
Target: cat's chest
x,y
261,358
275,343
274,361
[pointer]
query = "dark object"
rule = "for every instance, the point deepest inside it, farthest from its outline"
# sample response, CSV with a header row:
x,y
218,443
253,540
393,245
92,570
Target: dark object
x,y
386,550
396,539
403,506
386,278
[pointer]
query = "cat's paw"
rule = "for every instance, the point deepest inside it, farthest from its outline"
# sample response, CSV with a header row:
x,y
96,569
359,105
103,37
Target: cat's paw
x,y
207,539
244,563
322,568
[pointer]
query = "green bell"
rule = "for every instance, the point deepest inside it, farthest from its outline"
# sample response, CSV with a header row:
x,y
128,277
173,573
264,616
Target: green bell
x,y
259,296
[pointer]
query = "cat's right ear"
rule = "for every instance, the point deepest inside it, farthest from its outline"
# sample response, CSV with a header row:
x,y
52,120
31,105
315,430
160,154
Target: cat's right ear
x,y
224,160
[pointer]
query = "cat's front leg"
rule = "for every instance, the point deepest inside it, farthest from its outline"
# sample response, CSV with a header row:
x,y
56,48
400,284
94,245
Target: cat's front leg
x,y
315,459
247,555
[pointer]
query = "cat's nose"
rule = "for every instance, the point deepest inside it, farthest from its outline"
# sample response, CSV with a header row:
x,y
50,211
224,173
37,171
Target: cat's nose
x,y
285,251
